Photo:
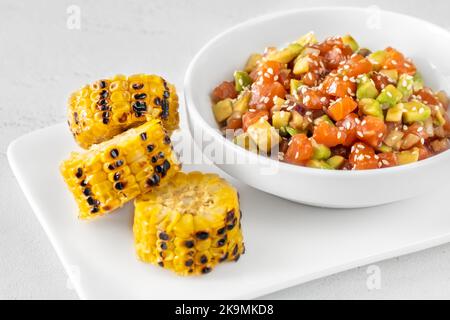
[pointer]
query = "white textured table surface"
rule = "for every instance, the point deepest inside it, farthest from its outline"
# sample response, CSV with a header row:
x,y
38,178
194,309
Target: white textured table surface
x,y
41,61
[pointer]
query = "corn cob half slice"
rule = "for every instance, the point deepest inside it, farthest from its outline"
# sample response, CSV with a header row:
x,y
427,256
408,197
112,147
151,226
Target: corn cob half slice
x,y
114,172
190,224
107,107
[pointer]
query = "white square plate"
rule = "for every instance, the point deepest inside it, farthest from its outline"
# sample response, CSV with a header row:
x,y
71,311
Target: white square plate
x,y
286,243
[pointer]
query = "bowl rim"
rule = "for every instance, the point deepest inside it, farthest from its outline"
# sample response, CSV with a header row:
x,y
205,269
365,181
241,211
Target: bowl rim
x,y
215,132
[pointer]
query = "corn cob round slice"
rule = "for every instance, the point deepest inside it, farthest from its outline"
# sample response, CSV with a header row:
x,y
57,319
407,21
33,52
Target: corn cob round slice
x,y
190,224
114,172
107,107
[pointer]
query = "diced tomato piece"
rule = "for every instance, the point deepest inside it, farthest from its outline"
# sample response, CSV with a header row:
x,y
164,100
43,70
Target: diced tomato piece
x,y
262,95
371,130
334,57
357,65
223,91
313,99
334,42
363,157
310,78
341,108
250,117
285,77
428,96
329,135
397,60
300,149
381,81
417,129
338,87
424,152
268,72
348,125
234,123
387,159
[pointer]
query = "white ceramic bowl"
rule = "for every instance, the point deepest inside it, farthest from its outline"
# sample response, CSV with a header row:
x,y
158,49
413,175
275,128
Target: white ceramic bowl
x,y
428,45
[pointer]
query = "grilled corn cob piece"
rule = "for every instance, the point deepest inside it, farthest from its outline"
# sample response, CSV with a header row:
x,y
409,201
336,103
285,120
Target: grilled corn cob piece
x,y
190,224
99,111
114,172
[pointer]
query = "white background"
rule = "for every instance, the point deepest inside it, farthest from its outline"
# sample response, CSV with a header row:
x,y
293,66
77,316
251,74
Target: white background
x,y
42,61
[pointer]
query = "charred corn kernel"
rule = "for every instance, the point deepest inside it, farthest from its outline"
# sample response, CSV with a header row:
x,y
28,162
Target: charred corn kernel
x,y
99,111
189,225
114,172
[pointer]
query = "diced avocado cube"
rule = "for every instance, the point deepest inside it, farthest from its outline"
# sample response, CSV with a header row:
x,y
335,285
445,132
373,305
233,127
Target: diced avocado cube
x,y
405,85
241,103
325,118
351,42
280,119
366,89
294,84
393,138
307,39
418,82
392,74
278,102
395,114
241,80
321,151
415,111
252,62
287,54
377,58
371,107
291,131
318,164
336,162
384,148
223,109
439,119
409,156
282,132
301,65
389,96
297,120
264,135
